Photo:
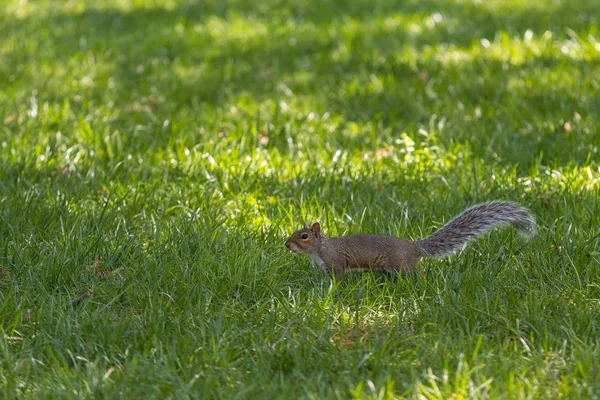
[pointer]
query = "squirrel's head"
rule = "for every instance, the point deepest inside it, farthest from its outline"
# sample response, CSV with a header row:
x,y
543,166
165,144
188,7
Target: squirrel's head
x,y
305,239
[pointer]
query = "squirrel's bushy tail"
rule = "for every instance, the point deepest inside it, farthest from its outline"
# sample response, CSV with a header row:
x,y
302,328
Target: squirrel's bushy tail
x,y
474,222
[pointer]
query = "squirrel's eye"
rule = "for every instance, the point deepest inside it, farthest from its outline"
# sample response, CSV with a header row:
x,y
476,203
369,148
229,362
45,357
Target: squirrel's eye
x,y
304,236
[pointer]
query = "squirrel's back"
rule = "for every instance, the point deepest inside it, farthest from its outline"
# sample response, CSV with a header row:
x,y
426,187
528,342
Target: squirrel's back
x,y
376,252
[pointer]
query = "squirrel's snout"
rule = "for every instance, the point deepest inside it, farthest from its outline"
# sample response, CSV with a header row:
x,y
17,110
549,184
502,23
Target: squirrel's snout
x,y
291,246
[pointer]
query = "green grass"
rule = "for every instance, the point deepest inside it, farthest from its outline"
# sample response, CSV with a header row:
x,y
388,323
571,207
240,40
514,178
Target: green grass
x,y
184,140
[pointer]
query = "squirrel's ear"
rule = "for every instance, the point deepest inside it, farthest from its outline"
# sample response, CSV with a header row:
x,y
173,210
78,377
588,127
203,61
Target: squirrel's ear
x,y
305,226
316,229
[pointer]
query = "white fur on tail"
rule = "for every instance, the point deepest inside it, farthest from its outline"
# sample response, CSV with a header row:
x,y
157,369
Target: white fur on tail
x,y
474,222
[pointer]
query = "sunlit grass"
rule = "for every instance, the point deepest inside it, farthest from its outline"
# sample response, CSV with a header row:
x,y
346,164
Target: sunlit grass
x,y
178,143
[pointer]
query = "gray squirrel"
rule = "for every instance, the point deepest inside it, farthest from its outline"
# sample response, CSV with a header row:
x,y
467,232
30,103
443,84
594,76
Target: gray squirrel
x,y
383,253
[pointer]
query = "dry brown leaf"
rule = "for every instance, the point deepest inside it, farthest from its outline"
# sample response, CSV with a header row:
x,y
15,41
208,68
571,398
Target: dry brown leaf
x,y
81,298
90,269
263,139
4,273
113,272
66,170
384,152
354,336
27,316
94,269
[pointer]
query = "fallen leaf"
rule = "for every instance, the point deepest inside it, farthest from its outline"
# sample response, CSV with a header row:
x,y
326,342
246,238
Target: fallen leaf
x,y
27,316
81,299
384,152
113,272
92,268
66,170
263,139
4,273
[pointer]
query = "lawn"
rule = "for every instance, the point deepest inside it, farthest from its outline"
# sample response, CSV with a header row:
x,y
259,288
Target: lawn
x,y
155,155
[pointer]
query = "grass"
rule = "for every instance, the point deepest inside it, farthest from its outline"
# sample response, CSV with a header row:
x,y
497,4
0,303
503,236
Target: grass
x,y
184,140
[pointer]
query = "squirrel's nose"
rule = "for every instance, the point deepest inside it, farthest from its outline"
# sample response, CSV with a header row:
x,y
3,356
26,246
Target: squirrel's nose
x,y
287,244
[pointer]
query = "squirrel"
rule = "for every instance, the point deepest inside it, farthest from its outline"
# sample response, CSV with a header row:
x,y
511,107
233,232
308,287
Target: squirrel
x,y
383,253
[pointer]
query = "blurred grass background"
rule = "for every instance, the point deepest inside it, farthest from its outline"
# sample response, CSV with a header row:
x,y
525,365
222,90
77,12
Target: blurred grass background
x,y
183,140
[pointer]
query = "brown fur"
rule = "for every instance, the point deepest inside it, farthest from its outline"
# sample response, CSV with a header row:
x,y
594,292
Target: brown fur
x,y
386,253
